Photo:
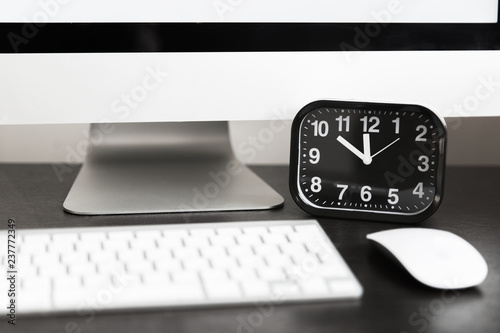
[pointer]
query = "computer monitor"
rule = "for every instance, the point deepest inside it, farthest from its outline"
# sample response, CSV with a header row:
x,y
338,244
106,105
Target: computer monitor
x,y
158,80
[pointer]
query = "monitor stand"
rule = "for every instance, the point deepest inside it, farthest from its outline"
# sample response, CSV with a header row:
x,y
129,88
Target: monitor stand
x,y
162,168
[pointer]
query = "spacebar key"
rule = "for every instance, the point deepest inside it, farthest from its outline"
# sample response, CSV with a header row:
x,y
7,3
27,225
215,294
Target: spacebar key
x,y
156,295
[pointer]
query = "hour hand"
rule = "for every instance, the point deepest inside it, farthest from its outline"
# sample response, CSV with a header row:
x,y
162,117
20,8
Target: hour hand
x,y
349,146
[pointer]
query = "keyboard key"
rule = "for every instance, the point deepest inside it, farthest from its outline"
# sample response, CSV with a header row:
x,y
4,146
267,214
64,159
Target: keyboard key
x,y
274,239
346,287
278,260
243,273
158,255
331,271
223,262
254,230
293,249
302,237
271,273
281,229
214,275
168,265
143,244
76,299
95,283
196,241
252,262
96,246
95,236
110,268
222,290
286,289
220,240
118,244
240,251
266,250
139,266
169,243
65,237
226,231
35,282
196,264
52,271
34,300
307,229
61,247
183,293
202,232
82,269
214,252
249,239
32,239
122,235
185,277
124,279
128,255
103,257
27,271
185,253
254,288
67,283
319,247
155,278
175,233
35,245
314,286
142,296
43,258
148,235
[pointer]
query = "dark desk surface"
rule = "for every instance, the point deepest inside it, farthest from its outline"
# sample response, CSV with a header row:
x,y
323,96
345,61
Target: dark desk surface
x,y
393,301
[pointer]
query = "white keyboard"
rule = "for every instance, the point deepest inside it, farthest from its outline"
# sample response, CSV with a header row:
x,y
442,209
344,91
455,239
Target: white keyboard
x,y
60,270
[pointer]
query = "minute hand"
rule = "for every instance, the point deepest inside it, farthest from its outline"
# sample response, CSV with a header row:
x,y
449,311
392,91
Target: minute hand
x,y
381,150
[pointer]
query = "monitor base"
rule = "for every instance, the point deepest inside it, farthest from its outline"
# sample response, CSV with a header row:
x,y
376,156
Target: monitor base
x,y
165,168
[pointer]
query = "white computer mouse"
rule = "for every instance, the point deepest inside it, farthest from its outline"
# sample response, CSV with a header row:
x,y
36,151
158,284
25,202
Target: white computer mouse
x,y
436,258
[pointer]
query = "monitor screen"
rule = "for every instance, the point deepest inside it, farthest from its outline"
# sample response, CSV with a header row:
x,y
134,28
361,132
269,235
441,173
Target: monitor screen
x,y
319,11
123,61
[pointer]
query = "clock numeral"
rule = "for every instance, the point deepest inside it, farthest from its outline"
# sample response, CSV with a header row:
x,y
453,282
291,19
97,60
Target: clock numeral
x,y
316,184
373,128
419,190
320,128
420,137
344,188
393,197
365,193
343,120
314,155
396,125
425,163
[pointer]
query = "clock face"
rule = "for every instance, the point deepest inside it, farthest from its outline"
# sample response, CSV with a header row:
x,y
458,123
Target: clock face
x,y
368,160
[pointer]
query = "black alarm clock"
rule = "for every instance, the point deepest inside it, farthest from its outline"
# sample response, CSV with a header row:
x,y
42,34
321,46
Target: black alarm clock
x,y
370,161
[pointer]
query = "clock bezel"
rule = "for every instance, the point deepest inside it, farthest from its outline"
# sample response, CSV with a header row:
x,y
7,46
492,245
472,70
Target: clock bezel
x,y
343,213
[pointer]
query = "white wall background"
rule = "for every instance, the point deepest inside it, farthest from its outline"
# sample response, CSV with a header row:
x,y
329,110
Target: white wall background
x,y
471,141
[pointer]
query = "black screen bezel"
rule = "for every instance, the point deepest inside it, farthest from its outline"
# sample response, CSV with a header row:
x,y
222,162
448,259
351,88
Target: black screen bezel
x,y
245,37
